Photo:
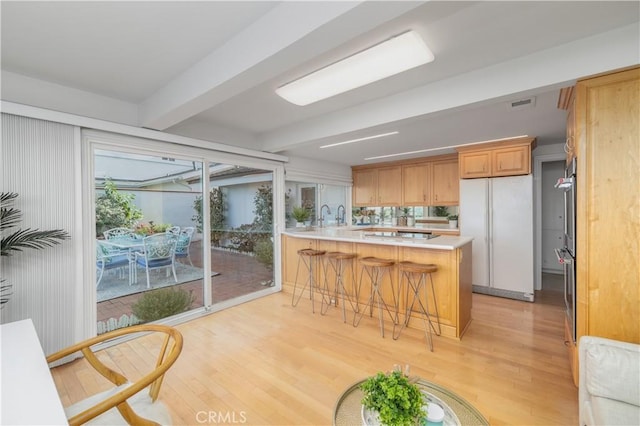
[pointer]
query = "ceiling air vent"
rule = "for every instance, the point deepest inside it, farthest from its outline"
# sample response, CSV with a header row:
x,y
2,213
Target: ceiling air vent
x,y
522,103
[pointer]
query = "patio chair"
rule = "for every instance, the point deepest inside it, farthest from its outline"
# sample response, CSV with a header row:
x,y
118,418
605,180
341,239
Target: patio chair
x,y
124,403
116,233
107,259
184,243
159,252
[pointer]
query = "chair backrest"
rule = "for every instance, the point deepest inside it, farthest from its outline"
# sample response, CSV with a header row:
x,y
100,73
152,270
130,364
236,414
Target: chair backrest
x,y
184,240
169,350
160,246
116,233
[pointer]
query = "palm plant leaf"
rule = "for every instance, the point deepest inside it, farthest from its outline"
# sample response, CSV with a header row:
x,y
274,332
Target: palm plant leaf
x,y
31,238
4,293
9,217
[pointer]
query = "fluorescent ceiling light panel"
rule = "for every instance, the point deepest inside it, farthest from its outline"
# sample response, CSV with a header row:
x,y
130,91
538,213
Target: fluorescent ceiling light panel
x,y
360,139
393,56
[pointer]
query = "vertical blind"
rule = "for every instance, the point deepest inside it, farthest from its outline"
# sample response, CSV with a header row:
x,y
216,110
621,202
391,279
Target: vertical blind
x,y
38,163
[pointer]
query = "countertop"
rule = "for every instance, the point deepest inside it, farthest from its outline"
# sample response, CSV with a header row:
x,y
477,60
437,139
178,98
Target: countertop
x,y
359,234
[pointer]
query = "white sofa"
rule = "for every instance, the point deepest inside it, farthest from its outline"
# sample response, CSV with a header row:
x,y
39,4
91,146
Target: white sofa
x,y
609,391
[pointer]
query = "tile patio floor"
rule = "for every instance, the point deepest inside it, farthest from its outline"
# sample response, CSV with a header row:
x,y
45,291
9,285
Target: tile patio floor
x,y
238,274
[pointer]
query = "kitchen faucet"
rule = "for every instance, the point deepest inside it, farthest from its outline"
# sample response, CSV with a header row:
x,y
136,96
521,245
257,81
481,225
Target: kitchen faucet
x,y
340,219
321,218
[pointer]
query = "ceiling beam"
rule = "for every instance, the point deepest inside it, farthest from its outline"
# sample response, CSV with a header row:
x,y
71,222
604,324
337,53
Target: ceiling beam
x,y
247,59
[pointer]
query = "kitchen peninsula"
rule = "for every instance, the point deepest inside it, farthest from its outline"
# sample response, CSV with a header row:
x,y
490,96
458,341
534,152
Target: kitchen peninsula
x,y
452,255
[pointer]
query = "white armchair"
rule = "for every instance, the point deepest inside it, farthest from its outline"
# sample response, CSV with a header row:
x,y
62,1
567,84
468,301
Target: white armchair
x,y
609,391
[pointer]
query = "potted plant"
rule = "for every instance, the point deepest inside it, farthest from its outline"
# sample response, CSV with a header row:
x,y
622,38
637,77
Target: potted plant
x,y
393,399
453,221
301,215
441,211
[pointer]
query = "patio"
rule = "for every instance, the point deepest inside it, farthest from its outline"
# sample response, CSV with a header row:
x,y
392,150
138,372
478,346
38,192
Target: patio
x,y
236,274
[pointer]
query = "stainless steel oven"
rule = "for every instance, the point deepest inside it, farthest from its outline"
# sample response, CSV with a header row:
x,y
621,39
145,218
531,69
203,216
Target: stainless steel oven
x,y
567,254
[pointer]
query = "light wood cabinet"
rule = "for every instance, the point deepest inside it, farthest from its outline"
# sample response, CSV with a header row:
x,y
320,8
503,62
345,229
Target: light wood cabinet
x,y
504,158
608,209
445,183
415,184
389,184
511,161
475,164
607,133
377,186
365,187
418,182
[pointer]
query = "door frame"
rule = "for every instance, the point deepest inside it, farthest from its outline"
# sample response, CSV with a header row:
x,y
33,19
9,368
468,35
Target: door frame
x,y
537,177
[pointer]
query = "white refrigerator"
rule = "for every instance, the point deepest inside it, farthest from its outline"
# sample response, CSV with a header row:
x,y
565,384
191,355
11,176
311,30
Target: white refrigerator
x,y
498,214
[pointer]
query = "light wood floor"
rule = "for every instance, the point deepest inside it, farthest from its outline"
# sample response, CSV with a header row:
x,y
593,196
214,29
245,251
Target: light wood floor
x,y
266,363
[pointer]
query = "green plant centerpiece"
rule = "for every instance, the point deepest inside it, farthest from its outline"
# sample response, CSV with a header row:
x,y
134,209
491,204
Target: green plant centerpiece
x,y
300,214
396,400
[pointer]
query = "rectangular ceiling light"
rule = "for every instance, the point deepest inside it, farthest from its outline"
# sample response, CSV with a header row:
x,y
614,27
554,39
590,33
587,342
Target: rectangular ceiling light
x,y
398,54
360,139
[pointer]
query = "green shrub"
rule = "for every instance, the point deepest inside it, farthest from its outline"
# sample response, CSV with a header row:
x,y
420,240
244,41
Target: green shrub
x,y
263,202
216,209
264,252
162,303
115,209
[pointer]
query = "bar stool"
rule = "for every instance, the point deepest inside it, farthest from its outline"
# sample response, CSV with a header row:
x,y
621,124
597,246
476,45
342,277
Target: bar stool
x,y
308,257
337,261
375,269
415,275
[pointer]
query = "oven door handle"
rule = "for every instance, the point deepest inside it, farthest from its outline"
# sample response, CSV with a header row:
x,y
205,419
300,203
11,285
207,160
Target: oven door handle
x,y
564,260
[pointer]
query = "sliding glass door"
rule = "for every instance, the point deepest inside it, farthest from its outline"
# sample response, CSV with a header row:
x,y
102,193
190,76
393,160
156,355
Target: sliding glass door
x,y
148,256
165,247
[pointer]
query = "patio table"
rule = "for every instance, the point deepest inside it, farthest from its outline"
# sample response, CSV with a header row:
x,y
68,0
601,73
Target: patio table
x,y
130,245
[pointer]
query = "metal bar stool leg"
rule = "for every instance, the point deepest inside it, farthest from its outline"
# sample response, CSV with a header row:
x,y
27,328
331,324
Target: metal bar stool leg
x,y
415,276
376,269
307,256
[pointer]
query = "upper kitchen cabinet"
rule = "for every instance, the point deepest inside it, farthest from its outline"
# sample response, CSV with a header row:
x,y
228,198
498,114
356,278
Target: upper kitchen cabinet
x,y
505,158
424,181
445,183
365,187
377,186
389,180
415,188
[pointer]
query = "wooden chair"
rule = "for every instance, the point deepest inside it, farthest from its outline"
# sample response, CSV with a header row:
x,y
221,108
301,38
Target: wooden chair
x,y
124,403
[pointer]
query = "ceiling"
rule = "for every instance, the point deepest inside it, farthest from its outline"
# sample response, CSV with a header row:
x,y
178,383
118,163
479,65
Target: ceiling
x,y
209,69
